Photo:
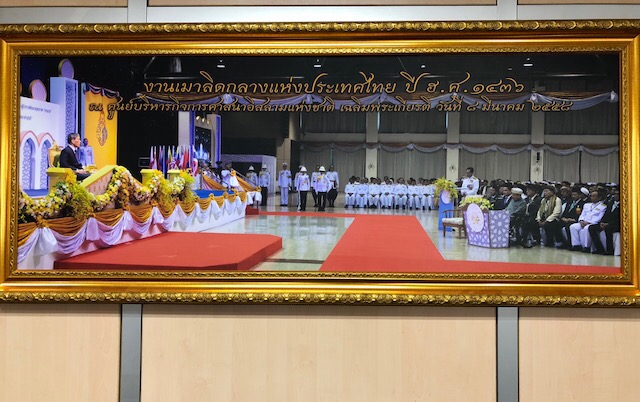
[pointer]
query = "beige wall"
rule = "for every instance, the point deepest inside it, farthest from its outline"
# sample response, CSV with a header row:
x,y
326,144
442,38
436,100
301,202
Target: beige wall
x,y
59,352
318,353
571,355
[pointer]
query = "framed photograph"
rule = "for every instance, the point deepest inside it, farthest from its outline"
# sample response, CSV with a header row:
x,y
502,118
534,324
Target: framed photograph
x,y
428,163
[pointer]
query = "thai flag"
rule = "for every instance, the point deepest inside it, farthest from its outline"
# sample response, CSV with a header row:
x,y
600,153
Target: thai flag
x,y
186,156
194,161
153,162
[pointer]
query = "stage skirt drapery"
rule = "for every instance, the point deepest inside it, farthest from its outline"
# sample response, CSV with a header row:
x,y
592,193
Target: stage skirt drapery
x,y
40,244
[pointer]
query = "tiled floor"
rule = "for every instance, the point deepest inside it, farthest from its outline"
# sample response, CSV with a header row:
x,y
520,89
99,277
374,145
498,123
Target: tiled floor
x,y
308,240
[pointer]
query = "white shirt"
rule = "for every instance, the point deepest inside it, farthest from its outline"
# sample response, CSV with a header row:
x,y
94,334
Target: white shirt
x,y
333,178
252,178
322,184
284,178
400,189
374,189
303,183
592,213
362,189
470,181
264,178
350,188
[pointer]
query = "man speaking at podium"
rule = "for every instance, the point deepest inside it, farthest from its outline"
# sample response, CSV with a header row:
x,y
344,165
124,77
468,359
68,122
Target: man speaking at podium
x,y
69,157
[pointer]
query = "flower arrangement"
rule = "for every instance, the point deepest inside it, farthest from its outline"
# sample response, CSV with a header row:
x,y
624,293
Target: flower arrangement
x,y
69,198
478,200
79,203
443,184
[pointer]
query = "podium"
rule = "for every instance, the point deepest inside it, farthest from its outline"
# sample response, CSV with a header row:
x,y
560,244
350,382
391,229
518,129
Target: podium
x,y
486,228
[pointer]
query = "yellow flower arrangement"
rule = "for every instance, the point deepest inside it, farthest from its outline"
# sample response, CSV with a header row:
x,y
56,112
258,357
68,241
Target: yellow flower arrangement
x,y
69,198
443,184
478,200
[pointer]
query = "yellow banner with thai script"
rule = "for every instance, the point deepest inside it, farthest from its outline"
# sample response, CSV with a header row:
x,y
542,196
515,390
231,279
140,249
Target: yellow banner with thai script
x,y
101,132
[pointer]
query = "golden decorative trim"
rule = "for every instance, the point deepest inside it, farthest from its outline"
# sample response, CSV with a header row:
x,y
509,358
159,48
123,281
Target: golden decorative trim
x,y
364,51
418,277
318,27
323,298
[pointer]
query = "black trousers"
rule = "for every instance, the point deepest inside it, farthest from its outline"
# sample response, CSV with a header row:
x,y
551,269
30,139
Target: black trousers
x,y
527,226
315,197
553,234
331,196
609,230
322,200
265,192
303,200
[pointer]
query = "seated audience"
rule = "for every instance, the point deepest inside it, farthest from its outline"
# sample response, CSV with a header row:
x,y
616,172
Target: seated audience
x,y
610,223
549,216
592,213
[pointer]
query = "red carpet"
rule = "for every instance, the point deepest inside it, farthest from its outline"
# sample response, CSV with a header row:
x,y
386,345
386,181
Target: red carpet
x,y
378,243
180,251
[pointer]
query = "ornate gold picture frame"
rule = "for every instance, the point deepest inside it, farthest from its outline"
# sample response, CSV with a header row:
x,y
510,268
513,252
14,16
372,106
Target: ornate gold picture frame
x,y
620,39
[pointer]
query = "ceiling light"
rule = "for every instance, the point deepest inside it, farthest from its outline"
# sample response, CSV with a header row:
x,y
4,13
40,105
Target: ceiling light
x,y
423,66
317,64
220,64
528,64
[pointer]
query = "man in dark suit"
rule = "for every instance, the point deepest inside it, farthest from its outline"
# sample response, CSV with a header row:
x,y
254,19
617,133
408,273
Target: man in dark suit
x,y
572,210
530,226
505,197
69,156
610,223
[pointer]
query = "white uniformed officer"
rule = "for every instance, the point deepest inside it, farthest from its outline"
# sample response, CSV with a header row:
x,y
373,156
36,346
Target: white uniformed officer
x,y
284,182
322,186
264,179
252,177
592,213
303,184
470,183
350,193
400,192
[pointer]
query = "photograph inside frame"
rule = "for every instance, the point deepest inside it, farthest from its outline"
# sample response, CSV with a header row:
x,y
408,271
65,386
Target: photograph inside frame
x,y
482,163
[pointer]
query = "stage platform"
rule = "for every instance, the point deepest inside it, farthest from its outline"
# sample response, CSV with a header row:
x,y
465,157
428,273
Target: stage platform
x,y
177,251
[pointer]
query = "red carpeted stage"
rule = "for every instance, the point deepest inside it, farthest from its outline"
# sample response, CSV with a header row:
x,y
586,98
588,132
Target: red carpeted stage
x,y
180,251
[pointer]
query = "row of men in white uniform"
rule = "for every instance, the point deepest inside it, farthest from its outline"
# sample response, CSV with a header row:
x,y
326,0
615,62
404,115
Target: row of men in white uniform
x,y
362,193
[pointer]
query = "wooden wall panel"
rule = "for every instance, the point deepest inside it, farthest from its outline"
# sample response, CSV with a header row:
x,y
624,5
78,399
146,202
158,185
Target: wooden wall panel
x,y
59,352
318,353
585,355
63,3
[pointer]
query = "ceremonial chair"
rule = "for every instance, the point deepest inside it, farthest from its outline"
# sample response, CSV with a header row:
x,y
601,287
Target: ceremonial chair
x,y
454,218
55,173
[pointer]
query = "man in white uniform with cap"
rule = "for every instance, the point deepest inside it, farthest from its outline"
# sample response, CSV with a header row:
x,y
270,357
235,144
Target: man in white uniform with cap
x,y
303,185
264,179
322,186
252,177
284,182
